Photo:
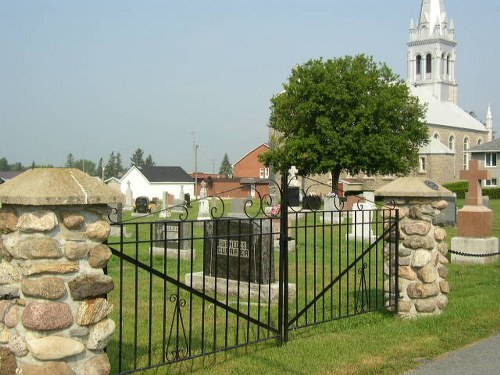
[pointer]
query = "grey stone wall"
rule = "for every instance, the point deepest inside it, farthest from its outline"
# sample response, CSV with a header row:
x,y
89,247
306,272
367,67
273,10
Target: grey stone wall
x,y
52,261
423,289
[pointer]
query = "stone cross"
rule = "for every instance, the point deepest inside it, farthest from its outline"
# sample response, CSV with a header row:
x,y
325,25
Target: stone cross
x,y
293,178
474,175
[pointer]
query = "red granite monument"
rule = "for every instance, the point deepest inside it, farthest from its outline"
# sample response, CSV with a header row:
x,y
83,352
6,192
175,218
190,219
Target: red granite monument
x,y
475,222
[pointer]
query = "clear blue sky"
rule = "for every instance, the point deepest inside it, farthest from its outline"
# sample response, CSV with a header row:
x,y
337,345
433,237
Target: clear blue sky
x,y
95,76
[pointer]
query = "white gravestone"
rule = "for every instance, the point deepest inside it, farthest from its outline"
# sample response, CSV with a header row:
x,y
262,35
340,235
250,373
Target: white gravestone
x,y
129,198
165,212
362,219
332,208
204,209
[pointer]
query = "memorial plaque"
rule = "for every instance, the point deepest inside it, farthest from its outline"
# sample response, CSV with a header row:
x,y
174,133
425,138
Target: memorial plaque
x,y
168,234
239,250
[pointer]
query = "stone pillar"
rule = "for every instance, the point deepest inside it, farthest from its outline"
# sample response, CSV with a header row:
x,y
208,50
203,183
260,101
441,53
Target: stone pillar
x,y
423,289
53,307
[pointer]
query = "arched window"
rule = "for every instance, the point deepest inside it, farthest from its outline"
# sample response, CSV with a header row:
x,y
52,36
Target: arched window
x,y
451,143
479,141
419,65
448,65
466,155
428,63
437,136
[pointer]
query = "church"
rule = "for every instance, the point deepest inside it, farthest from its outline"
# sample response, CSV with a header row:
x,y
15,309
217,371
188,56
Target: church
x,y
431,77
432,60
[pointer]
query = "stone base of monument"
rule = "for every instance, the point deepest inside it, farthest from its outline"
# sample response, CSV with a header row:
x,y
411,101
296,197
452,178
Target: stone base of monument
x,y
258,292
174,253
475,221
471,245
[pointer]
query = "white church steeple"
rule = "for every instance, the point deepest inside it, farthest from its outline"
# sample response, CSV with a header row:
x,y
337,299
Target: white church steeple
x,y
432,53
489,124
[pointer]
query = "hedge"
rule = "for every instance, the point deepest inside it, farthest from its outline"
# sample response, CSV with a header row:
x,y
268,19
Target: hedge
x,y
461,187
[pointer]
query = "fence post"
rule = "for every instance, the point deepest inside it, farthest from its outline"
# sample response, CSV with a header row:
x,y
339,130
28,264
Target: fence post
x,y
283,269
54,306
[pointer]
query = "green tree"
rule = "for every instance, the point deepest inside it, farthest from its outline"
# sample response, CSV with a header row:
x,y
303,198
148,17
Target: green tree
x,y
225,166
4,164
149,161
348,114
100,169
137,158
87,166
113,167
70,161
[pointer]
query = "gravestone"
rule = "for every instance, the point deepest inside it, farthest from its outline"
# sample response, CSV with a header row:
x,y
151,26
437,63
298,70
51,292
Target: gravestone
x,y
173,239
181,193
293,191
129,198
187,199
238,208
203,210
448,216
332,207
475,222
361,230
239,250
178,206
165,212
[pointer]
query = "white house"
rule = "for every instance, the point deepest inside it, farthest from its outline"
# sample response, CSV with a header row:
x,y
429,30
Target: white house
x,y
154,181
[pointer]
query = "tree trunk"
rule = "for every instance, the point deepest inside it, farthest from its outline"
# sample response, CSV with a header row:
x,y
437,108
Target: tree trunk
x,y
335,180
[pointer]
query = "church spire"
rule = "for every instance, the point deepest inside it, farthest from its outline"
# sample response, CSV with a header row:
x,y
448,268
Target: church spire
x,y
431,51
489,124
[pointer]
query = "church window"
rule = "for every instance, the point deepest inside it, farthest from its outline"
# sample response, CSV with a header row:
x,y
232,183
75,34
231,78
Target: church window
x,y
451,143
422,166
466,143
419,65
428,63
448,65
490,159
465,154
437,136
479,141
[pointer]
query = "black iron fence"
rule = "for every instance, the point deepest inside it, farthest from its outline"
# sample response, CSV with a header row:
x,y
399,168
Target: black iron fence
x,y
186,287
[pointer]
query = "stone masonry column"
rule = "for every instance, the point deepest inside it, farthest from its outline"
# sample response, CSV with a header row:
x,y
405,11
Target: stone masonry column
x,y
423,289
53,307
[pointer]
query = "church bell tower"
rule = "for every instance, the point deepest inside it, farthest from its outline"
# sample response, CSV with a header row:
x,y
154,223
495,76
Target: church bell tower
x,y
432,52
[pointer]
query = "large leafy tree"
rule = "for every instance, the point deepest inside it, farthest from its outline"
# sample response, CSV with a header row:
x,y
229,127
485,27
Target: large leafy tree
x,y
225,166
348,114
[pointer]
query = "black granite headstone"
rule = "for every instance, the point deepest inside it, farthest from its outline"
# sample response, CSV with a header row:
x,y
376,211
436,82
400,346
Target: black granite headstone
x,y
293,196
239,250
168,233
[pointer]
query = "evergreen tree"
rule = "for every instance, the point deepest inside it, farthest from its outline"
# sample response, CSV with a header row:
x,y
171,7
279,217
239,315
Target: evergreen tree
x,y
225,166
70,161
137,158
149,161
4,164
100,170
118,165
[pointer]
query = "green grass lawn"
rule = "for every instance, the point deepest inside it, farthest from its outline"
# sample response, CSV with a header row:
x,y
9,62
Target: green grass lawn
x,y
375,343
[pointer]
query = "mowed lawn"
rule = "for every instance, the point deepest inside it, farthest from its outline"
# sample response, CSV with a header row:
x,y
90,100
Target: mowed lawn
x,y
375,343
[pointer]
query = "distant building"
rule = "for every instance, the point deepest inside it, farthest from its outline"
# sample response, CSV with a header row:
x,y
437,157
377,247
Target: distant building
x,y
8,175
152,182
489,154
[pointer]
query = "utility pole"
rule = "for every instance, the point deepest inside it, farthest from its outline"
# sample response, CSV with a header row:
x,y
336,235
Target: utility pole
x,y
195,172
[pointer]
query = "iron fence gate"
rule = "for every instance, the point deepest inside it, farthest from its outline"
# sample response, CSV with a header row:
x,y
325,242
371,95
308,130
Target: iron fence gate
x,y
185,287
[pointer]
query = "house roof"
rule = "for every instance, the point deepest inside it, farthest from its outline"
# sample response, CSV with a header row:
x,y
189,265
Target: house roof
x,y
493,146
435,147
446,113
9,175
249,152
165,174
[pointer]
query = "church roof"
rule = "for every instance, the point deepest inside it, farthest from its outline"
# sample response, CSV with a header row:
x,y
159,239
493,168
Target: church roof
x,y
446,113
435,147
